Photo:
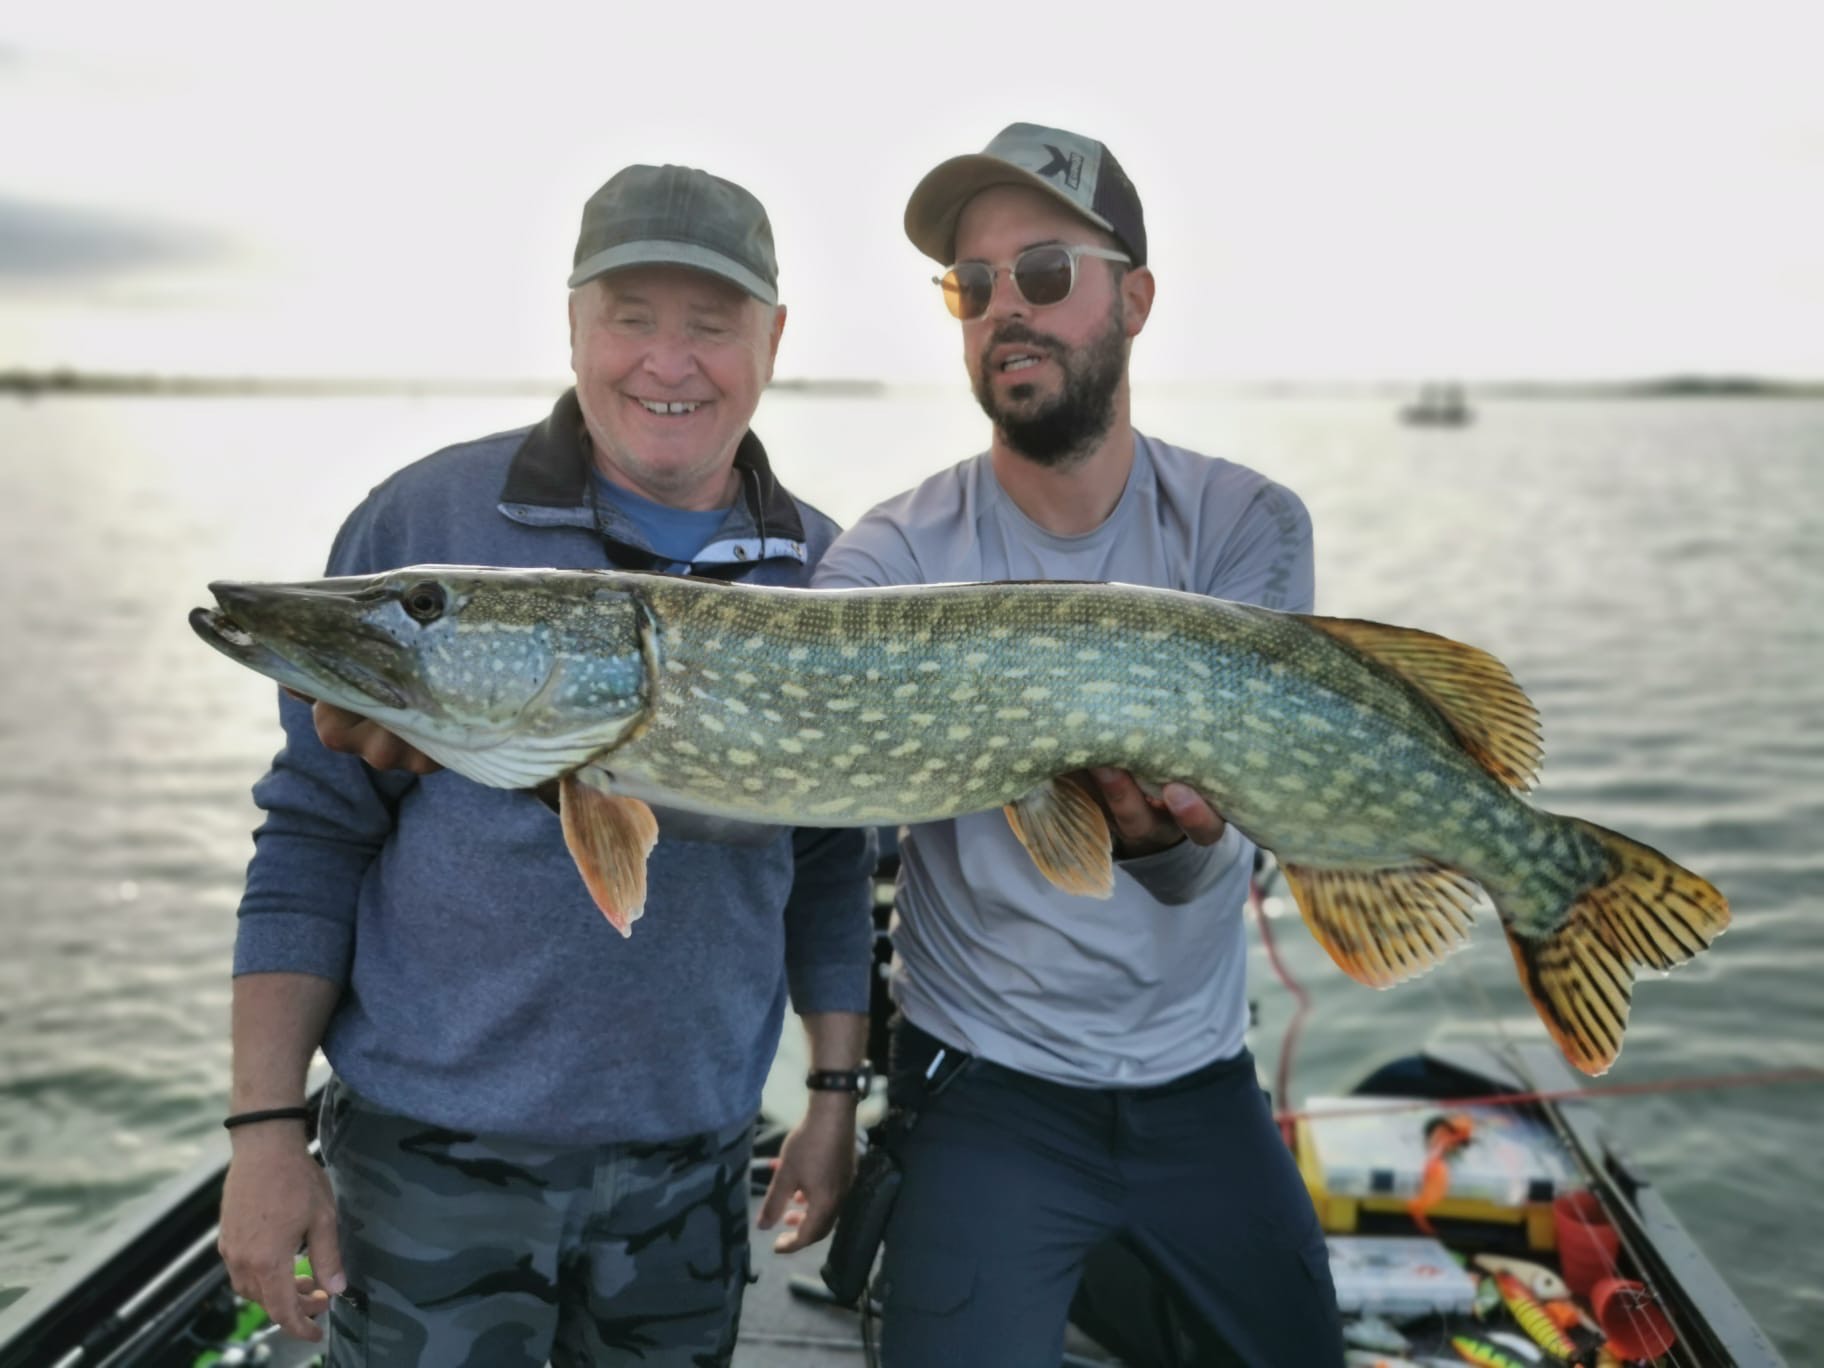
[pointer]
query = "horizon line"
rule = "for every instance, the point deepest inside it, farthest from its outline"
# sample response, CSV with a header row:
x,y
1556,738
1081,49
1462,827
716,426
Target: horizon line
x,y
71,379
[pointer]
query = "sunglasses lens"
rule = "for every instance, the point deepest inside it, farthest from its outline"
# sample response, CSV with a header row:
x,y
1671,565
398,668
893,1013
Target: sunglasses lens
x,y
1043,275
967,289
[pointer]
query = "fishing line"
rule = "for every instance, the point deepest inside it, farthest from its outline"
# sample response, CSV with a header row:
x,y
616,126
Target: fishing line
x,y
1761,1078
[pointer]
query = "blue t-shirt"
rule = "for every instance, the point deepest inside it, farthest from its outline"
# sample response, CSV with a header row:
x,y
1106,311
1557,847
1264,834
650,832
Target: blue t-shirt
x,y
674,534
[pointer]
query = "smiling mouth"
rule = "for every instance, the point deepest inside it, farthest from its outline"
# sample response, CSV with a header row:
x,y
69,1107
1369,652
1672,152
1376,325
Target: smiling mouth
x,y
1019,361
670,408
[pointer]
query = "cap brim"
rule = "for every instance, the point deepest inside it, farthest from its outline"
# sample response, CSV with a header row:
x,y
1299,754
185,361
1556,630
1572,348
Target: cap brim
x,y
657,252
938,200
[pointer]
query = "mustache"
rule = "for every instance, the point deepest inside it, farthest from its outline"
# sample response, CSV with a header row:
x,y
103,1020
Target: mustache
x,y
1019,332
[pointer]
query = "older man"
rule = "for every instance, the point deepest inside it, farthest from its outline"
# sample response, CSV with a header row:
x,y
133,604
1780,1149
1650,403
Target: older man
x,y
538,1133
1109,1094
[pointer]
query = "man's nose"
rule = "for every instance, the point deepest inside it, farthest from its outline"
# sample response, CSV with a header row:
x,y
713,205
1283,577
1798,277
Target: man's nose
x,y
1004,297
670,358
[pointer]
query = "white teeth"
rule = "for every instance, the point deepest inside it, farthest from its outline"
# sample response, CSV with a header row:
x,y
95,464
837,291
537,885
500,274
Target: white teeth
x,y
676,406
1019,363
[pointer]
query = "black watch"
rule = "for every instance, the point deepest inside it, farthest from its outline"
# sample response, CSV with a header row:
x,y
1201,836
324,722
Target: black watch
x,y
855,1081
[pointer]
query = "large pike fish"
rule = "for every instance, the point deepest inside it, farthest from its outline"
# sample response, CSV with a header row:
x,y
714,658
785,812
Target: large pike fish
x,y
1383,766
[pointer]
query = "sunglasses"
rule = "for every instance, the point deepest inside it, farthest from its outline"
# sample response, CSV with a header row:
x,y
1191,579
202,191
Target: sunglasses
x,y
1042,275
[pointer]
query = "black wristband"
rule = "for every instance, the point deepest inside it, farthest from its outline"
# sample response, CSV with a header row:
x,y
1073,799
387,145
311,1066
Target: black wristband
x,y
854,1081
270,1114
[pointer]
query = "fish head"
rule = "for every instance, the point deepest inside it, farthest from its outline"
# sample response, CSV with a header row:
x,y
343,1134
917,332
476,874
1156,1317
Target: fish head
x,y
509,677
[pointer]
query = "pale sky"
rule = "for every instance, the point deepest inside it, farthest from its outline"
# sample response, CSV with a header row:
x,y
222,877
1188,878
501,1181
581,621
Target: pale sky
x,y
1349,190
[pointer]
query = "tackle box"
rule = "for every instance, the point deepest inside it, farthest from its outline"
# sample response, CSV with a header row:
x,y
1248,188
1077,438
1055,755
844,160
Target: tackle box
x,y
1398,1276
1361,1154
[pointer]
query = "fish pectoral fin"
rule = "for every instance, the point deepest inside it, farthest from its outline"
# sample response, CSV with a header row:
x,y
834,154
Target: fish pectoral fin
x,y
1383,926
1488,713
1063,829
609,836
1647,912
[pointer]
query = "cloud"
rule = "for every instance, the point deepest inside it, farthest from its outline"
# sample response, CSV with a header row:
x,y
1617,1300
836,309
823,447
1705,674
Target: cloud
x,y
44,243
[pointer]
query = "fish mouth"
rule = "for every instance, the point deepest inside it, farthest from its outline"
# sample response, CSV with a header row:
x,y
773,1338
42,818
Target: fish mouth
x,y
228,636
361,687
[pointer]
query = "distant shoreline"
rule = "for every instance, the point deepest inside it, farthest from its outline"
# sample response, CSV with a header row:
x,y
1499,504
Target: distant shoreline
x,y
60,381
63,381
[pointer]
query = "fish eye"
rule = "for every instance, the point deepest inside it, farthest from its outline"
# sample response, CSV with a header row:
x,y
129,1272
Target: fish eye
x,y
424,601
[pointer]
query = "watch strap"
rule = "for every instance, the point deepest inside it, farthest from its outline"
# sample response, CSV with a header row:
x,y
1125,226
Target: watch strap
x,y
854,1081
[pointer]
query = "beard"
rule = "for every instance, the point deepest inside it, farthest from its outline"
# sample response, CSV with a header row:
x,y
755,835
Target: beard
x,y
1061,431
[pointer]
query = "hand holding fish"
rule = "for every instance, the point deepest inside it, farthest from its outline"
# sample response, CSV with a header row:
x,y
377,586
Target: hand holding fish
x,y
352,734
1145,825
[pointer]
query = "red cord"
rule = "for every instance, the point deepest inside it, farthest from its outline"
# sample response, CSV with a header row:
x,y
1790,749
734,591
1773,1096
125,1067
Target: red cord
x,y
1282,1073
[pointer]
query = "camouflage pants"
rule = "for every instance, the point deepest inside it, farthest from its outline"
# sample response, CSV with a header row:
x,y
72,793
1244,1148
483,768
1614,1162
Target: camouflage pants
x,y
466,1251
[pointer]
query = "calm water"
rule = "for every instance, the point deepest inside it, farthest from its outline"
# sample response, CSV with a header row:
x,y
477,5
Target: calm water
x,y
1652,573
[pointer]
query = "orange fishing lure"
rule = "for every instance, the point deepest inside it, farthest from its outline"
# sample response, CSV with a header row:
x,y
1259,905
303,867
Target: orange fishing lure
x,y
1444,1136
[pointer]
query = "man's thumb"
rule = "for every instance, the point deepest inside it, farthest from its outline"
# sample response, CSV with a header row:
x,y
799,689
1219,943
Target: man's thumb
x,y
326,1253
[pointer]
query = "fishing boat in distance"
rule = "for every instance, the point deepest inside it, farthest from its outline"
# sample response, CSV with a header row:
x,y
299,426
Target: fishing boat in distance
x,y
153,1293
1439,405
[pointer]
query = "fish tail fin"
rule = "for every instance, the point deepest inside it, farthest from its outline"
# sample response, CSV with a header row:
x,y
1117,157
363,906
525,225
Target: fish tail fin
x,y
1643,911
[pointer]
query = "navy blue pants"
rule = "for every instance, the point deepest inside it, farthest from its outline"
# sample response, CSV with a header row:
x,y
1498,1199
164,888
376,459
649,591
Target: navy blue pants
x,y
1011,1182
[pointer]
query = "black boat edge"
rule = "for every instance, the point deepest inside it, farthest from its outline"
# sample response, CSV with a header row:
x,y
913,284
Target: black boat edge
x,y
139,1282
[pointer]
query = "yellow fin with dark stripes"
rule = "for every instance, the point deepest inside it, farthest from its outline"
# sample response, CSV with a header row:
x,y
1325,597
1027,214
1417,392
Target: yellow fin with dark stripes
x,y
610,836
1489,713
1063,829
1383,926
1648,913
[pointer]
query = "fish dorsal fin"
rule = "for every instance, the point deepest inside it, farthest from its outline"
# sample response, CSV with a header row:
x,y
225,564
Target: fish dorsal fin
x,y
1489,713
1063,829
1382,926
609,836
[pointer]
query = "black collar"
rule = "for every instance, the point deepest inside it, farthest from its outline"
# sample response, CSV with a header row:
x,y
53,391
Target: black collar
x,y
553,466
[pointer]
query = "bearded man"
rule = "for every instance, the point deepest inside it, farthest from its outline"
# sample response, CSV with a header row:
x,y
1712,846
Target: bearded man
x,y
1108,1096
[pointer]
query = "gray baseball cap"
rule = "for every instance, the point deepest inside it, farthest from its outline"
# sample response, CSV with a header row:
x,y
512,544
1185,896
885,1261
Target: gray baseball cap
x,y
1078,171
678,216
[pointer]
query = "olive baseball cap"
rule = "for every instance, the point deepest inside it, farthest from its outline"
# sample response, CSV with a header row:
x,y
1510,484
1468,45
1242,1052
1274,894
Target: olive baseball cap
x,y
677,216
1079,172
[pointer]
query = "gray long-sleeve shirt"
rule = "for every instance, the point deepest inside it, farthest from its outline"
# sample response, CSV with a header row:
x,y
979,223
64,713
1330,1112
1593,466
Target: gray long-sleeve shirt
x,y
1151,984
482,990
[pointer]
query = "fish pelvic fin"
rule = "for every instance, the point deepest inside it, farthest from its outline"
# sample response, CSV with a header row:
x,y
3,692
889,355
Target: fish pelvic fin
x,y
1063,829
609,836
1645,912
1383,926
1488,713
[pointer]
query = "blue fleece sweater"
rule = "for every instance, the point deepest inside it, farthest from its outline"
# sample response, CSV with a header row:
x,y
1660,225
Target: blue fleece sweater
x,y
482,990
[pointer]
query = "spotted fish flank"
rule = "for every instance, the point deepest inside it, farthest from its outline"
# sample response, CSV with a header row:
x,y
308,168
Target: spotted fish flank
x,y
1382,765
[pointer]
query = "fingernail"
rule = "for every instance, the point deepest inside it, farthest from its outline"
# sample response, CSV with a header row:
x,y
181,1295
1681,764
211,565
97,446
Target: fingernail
x,y
337,1284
